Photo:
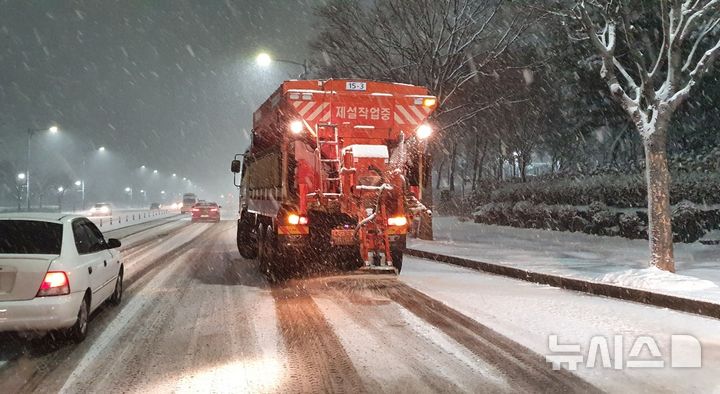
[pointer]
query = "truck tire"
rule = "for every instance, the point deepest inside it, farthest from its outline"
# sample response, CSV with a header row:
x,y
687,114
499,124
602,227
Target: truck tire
x,y
397,258
261,255
270,257
247,246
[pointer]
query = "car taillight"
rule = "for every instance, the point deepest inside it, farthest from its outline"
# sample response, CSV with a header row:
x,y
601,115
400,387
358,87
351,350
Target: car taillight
x,y
398,221
213,209
297,219
55,283
196,209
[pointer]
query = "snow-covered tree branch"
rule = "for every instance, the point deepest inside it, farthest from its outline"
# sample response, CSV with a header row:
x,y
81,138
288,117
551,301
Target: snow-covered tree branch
x,y
654,82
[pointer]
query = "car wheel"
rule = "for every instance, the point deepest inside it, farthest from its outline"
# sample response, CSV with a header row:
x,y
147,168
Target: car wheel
x,y
78,331
116,297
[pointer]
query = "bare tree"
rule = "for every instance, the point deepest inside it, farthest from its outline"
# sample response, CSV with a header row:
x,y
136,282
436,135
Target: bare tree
x,y
650,81
443,45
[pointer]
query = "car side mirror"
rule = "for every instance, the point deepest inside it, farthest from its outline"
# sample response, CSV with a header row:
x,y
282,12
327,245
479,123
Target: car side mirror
x,y
113,243
219,206
235,166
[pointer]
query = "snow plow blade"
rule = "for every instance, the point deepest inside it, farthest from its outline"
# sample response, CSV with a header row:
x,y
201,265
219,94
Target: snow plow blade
x,y
377,270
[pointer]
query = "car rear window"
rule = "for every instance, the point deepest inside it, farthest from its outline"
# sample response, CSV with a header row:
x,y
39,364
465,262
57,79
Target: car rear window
x,y
30,237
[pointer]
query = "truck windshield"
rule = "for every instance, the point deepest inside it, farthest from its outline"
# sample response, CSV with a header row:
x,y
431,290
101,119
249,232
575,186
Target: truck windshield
x,y
30,237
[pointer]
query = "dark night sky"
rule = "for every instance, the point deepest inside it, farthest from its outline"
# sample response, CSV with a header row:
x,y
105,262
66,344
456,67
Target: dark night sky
x,y
170,84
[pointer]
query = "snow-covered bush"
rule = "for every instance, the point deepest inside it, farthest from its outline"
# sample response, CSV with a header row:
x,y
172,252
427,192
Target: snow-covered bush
x,y
561,217
711,218
687,222
632,226
578,224
619,190
596,207
494,213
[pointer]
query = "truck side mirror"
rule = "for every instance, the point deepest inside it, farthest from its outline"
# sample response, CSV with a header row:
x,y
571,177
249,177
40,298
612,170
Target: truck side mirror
x,y
235,166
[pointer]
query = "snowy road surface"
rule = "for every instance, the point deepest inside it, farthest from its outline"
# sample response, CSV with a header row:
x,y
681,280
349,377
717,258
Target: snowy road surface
x,y
198,318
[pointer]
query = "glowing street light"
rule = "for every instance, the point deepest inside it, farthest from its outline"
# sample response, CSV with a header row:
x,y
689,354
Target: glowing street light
x,y
78,183
264,60
101,149
21,176
30,133
155,171
174,175
60,189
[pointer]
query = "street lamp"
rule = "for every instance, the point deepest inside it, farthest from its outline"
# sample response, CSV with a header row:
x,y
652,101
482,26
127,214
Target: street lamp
x,y
129,191
263,59
154,171
61,193
30,133
422,136
81,183
21,176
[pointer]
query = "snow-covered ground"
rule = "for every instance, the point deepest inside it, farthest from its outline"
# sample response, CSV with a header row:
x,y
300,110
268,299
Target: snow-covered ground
x,y
603,259
529,313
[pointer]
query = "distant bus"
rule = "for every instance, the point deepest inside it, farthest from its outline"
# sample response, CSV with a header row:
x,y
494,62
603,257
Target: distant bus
x,y
189,199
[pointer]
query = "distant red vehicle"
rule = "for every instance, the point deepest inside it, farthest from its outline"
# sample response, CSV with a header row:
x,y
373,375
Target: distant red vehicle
x,y
205,211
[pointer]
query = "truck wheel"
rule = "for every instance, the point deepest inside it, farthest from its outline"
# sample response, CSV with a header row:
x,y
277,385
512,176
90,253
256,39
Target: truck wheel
x,y
269,257
262,259
397,258
247,246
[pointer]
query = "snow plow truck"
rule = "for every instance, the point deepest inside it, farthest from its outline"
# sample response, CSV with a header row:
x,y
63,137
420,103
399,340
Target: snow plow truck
x,y
333,173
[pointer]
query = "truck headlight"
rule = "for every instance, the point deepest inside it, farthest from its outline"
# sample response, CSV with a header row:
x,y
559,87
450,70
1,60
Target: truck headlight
x,y
424,131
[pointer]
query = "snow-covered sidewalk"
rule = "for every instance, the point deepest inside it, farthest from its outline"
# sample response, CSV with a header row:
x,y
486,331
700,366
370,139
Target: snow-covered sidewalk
x,y
610,260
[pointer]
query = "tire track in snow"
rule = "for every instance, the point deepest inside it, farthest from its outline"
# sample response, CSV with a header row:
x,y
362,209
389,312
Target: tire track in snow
x,y
316,358
525,369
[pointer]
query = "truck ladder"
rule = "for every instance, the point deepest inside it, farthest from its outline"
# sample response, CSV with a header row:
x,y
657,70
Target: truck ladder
x,y
330,182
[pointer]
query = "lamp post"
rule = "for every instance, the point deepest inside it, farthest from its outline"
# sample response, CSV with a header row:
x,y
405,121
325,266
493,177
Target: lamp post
x,y
19,189
263,59
81,184
61,193
129,190
30,133
423,134
84,173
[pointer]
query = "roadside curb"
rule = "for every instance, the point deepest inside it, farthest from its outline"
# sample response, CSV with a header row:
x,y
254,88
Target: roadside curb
x,y
698,307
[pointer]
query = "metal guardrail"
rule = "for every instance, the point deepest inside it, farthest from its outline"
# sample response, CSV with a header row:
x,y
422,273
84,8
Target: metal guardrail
x,y
126,218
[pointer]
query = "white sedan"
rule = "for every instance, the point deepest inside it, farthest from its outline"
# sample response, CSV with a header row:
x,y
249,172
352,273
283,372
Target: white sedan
x,y
55,270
